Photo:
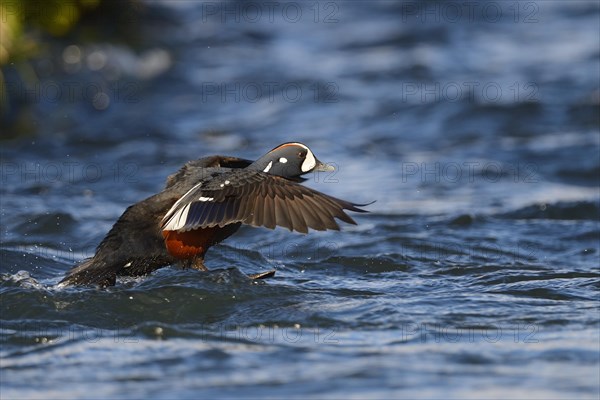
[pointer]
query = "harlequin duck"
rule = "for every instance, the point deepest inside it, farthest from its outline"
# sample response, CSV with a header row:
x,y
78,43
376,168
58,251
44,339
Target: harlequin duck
x,y
204,203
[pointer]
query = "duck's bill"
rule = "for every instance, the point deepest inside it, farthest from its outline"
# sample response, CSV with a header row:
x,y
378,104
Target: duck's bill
x,y
322,167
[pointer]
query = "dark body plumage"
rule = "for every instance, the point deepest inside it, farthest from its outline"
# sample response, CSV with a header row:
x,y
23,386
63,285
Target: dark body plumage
x,y
203,203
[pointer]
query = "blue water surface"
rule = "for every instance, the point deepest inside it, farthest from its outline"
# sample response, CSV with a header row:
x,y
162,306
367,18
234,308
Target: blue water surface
x,y
474,126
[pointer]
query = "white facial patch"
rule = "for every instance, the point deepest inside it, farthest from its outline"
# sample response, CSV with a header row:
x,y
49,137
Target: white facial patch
x,y
202,198
268,167
283,160
309,162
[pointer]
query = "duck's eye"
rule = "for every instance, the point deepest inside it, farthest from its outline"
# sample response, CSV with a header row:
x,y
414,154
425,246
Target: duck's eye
x,y
302,154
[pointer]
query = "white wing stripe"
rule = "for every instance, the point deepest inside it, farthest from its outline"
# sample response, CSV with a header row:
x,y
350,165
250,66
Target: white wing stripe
x,y
178,202
178,220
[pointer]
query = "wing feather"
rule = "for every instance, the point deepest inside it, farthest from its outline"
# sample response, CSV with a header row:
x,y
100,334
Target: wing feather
x,y
310,217
282,217
259,199
327,220
298,222
268,212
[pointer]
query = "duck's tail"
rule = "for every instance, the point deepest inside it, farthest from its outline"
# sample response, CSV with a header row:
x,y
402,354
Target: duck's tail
x,y
90,272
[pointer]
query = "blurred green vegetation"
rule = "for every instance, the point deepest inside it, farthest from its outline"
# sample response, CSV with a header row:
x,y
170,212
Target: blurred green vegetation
x,y
34,30
20,22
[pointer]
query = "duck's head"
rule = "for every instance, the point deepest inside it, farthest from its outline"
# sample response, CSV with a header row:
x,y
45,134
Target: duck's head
x,y
290,160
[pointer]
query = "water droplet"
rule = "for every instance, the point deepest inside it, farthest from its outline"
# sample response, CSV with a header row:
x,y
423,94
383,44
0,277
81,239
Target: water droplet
x,y
72,54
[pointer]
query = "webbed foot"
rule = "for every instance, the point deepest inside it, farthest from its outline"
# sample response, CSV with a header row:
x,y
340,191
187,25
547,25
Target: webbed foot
x,y
262,275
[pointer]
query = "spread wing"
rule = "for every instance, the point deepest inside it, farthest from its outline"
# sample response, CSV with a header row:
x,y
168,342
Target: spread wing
x,y
258,199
